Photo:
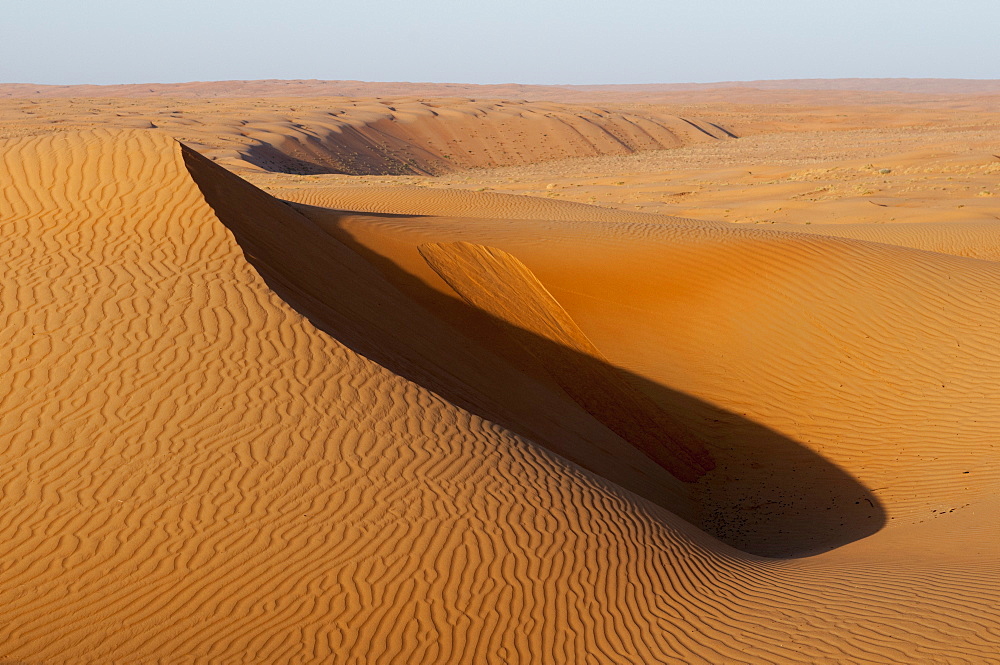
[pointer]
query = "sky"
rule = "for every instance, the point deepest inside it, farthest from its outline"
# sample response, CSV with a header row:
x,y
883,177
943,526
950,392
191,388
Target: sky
x,y
504,41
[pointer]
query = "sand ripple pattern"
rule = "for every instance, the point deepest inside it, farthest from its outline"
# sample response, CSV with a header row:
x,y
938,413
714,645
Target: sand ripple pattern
x,y
191,472
975,240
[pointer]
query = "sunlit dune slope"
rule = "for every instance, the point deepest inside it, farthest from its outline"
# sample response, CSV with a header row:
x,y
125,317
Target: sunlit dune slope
x,y
497,283
228,438
881,359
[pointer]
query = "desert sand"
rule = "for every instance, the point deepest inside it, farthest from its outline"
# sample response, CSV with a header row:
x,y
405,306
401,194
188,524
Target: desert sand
x,y
520,375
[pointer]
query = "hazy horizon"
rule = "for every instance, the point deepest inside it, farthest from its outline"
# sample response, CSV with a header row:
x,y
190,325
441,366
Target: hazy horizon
x,y
503,83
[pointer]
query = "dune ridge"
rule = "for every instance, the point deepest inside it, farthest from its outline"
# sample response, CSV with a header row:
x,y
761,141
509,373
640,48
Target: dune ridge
x,y
440,136
199,469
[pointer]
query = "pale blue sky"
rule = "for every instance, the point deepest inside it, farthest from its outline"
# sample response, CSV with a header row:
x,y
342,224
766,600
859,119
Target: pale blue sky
x,y
469,41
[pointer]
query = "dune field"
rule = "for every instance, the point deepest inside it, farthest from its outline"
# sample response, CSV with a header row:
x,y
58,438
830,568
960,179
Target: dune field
x,y
334,372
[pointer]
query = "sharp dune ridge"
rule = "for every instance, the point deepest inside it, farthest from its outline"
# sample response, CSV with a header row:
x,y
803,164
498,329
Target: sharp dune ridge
x,y
241,430
787,528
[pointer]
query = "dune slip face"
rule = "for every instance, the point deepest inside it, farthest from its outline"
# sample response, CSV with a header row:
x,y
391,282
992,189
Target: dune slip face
x,y
229,435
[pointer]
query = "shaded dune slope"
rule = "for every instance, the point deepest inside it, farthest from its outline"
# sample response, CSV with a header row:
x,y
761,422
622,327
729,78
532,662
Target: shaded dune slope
x,y
195,470
815,511
346,297
773,496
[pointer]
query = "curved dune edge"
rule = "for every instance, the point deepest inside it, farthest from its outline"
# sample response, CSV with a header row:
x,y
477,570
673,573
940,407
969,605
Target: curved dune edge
x,y
499,284
193,470
977,240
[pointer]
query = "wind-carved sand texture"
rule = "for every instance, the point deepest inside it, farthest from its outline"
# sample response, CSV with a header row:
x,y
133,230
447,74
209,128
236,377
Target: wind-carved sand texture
x,y
497,283
237,429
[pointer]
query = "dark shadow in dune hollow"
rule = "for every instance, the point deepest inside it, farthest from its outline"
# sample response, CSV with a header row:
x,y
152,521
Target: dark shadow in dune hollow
x,y
347,152
274,160
768,496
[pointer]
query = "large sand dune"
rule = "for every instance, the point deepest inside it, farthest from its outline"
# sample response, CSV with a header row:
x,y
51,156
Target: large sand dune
x,y
237,430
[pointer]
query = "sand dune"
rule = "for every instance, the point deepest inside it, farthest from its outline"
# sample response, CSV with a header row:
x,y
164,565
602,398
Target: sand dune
x,y
243,431
438,137
932,170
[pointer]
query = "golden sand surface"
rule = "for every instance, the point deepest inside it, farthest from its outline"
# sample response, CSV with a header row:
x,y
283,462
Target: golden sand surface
x,y
449,379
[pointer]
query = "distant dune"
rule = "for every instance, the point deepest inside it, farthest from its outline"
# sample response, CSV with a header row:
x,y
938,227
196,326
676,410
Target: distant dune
x,y
377,137
620,92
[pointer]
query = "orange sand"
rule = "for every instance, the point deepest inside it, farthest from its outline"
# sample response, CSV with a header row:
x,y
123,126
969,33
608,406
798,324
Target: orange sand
x,y
402,420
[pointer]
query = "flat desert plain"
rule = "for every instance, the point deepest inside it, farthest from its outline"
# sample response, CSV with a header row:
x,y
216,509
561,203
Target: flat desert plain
x,y
336,372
